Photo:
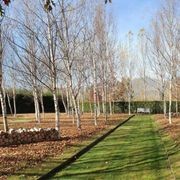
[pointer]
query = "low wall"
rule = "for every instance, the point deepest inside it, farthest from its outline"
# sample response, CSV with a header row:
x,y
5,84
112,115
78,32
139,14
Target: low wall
x,y
26,136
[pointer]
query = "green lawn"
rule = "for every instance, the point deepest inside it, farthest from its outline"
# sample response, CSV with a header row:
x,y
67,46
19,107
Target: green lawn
x,y
134,151
33,173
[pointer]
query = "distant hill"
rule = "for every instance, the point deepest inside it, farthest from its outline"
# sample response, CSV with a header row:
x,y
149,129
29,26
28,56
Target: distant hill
x,y
151,90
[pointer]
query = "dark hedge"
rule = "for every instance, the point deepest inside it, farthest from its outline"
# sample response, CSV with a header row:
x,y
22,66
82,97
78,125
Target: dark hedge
x,y
25,104
122,107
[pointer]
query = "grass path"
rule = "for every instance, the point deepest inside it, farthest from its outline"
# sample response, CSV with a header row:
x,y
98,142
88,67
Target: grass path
x,y
134,151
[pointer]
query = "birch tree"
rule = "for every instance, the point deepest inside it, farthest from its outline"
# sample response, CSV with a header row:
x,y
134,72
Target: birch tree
x,y
157,62
2,98
168,28
143,58
39,51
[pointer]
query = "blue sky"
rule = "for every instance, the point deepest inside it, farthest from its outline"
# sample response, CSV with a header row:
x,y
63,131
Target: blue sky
x,y
133,14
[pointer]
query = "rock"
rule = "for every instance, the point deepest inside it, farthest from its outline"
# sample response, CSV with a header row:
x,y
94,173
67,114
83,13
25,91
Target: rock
x,y
24,136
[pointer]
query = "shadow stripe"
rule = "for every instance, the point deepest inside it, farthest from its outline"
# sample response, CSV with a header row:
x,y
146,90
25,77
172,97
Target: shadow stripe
x,y
81,152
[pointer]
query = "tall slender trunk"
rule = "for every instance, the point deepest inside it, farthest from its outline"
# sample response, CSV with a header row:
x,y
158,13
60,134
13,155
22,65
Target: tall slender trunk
x,y
163,98
42,103
164,106
56,106
3,103
103,100
82,102
77,112
33,68
113,107
78,103
176,106
9,103
144,89
98,106
170,100
105,95
74,101
63,100
14,101
72,108
176,98
110,107
3,107
36,105
95,91
90,107
68,101
95,106
53,75
129,103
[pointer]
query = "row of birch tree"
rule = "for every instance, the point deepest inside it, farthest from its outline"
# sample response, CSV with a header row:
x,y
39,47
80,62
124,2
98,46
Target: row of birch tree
x,y
64,49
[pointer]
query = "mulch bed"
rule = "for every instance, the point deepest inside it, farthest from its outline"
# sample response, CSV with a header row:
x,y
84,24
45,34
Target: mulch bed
x,y
19,157
172,129
15,158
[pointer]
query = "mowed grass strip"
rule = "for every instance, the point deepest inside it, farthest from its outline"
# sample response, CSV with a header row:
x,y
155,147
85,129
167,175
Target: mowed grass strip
x,y
133,151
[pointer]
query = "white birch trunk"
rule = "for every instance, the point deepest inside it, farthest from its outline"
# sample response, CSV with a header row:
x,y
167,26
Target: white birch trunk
x,y
3,103
105,101
82,104
176,99
98,107
77,112
9,103
176,106
78,103
56,106
53,77
68,101
91,109
129,104
110,107
14,101
170,100
63,101
95,91
3,107
113,107
42,103
105,88
36,105
164,106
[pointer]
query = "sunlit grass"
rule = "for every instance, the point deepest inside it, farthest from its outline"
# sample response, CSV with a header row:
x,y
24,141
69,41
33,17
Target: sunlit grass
x,y
134,151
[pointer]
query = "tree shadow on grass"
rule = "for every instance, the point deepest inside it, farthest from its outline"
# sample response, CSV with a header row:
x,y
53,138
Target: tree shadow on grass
x,y
143,165
140,151
128,150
